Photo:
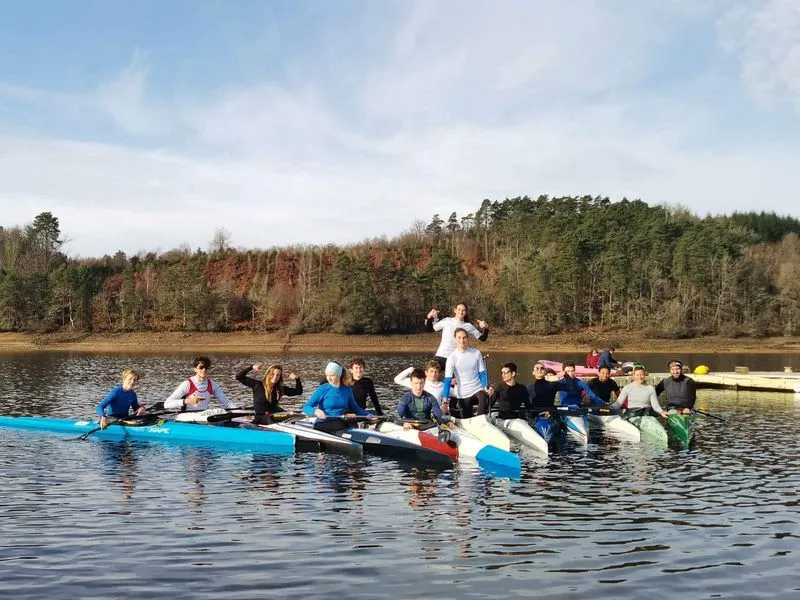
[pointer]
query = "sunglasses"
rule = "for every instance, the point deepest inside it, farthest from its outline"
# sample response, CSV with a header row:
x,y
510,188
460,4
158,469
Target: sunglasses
x,y
505,372
537,368
201,367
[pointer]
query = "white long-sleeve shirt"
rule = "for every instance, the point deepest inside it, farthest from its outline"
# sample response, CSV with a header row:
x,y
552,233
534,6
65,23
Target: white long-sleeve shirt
x,y
466,367
175,399
448,327
434,388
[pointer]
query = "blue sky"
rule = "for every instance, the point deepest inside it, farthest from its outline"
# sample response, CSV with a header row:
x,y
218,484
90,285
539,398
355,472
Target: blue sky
x,y
146,125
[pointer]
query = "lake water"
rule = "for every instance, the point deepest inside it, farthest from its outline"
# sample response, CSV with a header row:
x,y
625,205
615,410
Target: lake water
x,y
97,519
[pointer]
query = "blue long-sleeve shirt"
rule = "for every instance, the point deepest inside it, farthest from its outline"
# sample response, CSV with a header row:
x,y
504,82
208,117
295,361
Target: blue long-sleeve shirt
x,y
118,403
407,408
607,360
333,401
569,392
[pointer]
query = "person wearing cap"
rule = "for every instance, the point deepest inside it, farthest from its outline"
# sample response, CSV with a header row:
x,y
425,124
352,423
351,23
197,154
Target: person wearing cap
x,y
680,390
333,400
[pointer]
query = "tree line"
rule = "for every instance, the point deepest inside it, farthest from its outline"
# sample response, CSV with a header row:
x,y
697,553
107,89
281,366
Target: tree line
x,y
539,266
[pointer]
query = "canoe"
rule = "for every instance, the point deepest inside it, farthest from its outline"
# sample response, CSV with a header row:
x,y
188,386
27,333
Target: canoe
x,y
163,431
308,438
680,429
650,429
489,457
522,432
616,426
419,438
481,428
386,445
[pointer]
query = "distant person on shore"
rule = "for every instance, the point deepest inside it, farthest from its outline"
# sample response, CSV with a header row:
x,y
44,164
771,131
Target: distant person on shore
x,y
267,392
604,386
333,400
448,326
467,366
363,387
607,359
121,399
571,389
639,396
680,390
592,359
196,392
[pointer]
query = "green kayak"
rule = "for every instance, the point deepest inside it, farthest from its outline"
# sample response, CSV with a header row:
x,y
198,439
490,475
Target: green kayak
x,y
680,429
652,431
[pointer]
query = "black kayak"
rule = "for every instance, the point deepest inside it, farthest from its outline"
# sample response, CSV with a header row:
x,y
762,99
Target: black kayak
x,y
382,444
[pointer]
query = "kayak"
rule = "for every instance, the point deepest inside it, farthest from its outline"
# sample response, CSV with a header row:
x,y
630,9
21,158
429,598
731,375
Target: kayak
x,y
545,427
383,444
169,431
576,423
616,426
522,432
419,438
318,439
650,429
486,455
680,429
481,428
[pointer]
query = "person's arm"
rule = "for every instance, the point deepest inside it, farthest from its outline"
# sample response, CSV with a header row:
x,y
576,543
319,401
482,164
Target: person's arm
x,y
479,334
404,377
175,399
313,402
242,378
482,371
101,408
438,324
226,402
436,410
373,395
621,399
654,401
403,409
587,390
449,368
660,388
293,391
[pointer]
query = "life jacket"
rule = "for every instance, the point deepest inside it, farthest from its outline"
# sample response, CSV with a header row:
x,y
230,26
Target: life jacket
x,y
193,388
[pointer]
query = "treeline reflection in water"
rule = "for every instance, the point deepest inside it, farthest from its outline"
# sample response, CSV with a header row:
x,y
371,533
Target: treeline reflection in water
x,y
129,519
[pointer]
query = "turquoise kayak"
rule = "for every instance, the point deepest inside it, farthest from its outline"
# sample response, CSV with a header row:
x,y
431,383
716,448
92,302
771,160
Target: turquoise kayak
x,y
162,431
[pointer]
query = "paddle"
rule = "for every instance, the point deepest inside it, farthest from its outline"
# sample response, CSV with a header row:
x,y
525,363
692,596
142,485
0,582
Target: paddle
x,y
705,414
132,421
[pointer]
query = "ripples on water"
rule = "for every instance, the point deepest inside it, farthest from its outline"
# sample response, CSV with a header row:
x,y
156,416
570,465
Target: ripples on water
x,y
131,520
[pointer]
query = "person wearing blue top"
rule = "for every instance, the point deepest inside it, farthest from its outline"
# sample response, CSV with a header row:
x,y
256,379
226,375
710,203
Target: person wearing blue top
x,y
570,388
419,404
333,400
607,359
120,400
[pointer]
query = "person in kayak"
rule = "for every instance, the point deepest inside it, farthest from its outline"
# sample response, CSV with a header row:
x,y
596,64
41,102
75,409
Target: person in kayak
x,y
121,399
363,387
592,359
510,396
195,393
419,404
268,392
571,389
433,382
680,390
467,366
639,396
603,386
448,326
333,400
607,359
541,392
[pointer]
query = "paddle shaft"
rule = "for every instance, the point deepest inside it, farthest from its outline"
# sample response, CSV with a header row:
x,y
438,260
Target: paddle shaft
x,y
705,414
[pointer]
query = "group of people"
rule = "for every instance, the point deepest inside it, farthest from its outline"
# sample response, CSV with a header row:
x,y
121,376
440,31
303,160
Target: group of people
x,y
457,370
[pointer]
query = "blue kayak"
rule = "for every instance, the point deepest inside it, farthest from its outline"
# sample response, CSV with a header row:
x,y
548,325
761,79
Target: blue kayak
x,y
162,431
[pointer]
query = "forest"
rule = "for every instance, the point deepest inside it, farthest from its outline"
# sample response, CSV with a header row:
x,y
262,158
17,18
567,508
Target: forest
x,y
526,265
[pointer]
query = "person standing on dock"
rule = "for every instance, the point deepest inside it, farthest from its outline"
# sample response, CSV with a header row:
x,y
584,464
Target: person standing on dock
x,y
638,395
195,393
468,367
604,386
448,326
680,390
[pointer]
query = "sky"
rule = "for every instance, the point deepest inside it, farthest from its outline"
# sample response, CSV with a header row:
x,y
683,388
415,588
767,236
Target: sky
x,y
147,125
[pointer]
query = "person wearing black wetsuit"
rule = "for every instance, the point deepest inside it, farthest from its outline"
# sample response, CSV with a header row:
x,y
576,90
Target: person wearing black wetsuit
x,y
680,390
541,393
363,387
604,386
268,392
510,396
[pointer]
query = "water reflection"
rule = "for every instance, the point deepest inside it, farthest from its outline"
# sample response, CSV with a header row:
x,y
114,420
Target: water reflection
x,y
121,467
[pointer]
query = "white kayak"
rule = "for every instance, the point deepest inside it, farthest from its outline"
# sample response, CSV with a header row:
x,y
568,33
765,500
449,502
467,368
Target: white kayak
x,y
577,426
617,426
304,430
481,428
519,430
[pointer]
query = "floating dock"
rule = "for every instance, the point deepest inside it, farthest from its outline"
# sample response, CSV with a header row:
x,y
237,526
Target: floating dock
x,y
764,381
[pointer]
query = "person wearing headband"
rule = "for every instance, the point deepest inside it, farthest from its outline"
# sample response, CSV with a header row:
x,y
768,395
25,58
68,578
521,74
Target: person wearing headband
x,y
333,400
680,390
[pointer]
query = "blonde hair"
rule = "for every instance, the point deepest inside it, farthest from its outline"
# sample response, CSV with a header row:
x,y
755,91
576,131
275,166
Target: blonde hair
x,y
130,371
278,386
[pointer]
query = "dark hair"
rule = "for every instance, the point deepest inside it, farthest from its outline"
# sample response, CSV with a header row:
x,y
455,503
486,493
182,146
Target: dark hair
x,y
569,363
417,374
357,361
433,363
201,360
604,368
510,366
675,362
460,329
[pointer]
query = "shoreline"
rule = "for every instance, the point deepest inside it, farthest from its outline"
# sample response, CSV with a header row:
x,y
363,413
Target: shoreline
x,y
314,343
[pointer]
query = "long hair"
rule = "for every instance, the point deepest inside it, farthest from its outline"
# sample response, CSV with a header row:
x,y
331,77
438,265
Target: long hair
x,y
277,387
467,316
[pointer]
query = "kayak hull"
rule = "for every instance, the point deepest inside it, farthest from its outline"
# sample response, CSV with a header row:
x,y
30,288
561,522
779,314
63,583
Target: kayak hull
x,y
680,429
577,427
651,430
326,441
420,438
617,426
545,427
520,431
481,428
163,431
382,444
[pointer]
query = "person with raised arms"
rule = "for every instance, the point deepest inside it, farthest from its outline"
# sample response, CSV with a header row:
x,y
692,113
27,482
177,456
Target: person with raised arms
x,y
267,392
363,387
680,390
121,399
467,366
195,393
448,326
510,396
603,386
570,388
433,382
639,396
418,403
332,400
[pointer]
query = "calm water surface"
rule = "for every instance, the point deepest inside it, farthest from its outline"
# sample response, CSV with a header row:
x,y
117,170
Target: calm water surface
x,y
97,519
